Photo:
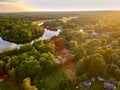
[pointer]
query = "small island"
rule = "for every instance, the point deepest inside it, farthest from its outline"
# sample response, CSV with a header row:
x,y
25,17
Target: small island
x,y
20,32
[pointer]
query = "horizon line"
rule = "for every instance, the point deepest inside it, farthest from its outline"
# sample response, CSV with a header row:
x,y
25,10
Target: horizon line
x,y
62,11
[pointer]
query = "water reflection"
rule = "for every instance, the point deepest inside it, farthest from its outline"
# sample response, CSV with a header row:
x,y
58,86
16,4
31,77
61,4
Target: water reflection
x,y
5,45
49,34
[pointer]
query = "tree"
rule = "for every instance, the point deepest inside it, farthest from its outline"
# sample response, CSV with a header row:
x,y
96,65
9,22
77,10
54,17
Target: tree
x,y
30,68
1,67
91,45
73,44
12,74
95,65
70,75
107,55
118,41
42,47
47,62
112,69
27,86
104,42
118,86
114,44
69,25
117,73
80,67
79,53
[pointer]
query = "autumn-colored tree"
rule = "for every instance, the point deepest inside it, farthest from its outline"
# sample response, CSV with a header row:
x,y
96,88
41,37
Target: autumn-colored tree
x,y
27,85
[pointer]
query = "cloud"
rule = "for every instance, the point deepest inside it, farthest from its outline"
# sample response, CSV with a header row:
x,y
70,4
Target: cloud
x,y
10,0
41,5
10,7
74,4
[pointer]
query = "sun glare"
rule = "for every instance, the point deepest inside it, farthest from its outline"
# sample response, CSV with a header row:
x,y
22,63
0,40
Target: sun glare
x,y
116,10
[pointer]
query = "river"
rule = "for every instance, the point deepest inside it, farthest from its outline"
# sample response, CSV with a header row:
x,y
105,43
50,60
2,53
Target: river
x,y
6,45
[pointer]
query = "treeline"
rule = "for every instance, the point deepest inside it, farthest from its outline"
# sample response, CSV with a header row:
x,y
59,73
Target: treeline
x,y
29,16
36,16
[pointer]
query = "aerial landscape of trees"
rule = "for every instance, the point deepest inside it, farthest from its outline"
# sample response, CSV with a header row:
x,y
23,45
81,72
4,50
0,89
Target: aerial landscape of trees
x,y
84,56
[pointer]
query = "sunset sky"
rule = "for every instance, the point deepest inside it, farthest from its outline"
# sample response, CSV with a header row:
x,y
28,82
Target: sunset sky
x,y
57,5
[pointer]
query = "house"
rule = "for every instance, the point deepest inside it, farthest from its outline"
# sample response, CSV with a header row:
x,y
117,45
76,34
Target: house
x,y
113,80
108,85
64,60
65,51
109,45
72,56
87,83
100,79
1,80
58,59
93,79
94,34
81,30
77,87
41,23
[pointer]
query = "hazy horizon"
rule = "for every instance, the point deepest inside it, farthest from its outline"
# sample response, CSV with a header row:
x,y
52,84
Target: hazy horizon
x,y
61,11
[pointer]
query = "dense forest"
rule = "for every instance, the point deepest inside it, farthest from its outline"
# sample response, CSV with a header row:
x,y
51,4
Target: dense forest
x,y
84,56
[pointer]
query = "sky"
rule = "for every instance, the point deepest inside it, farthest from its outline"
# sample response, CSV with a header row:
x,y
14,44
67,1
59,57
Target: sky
x,y
58,5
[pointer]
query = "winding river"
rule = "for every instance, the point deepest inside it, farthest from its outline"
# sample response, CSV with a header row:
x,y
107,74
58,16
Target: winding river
x,y
5,45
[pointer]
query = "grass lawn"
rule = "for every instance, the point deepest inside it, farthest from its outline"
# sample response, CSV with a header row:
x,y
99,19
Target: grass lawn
x,y
5,86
